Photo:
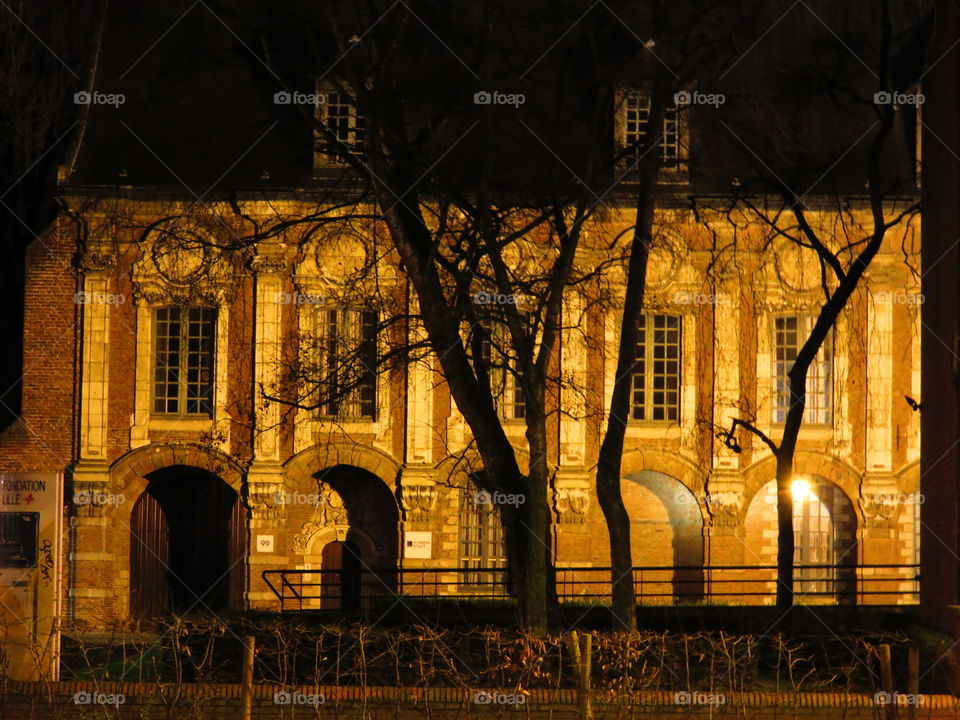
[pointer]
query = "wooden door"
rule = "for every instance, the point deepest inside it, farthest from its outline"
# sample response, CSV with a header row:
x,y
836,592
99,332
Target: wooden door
x,y
149,557
340,562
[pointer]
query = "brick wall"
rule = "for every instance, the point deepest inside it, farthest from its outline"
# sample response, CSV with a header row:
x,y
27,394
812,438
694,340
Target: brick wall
x,y
223,702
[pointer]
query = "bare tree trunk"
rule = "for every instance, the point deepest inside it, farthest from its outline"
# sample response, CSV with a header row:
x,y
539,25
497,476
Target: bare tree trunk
x,y
535,598
611,450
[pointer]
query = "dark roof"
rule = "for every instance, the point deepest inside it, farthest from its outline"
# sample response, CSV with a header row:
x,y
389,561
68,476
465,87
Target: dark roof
x,y
196,113
199,112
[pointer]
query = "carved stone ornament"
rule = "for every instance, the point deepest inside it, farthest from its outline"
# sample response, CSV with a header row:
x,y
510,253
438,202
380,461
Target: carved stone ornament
x,y
273,258
880,512
572,504
329,512
98,260
419,501
725,515
180,264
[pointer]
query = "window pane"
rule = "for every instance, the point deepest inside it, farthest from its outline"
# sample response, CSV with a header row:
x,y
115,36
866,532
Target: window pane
x,y
656,379
790,332
481,540
639,372
166,352
340,116
635,121
199,366
184,360
348,364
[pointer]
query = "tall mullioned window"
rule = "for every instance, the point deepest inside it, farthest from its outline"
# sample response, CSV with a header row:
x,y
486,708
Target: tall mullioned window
x,y
347,340
636,119
790,333
481,547
183,351
656,376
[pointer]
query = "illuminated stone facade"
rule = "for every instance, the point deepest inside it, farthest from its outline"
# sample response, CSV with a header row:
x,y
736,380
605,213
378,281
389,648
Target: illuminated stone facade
x,y
398,465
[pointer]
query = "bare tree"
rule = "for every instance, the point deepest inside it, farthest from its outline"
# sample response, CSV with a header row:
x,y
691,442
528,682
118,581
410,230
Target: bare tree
x,y
790,148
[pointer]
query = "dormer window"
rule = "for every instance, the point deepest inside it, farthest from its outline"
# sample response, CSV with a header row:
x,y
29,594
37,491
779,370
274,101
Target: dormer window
x,y
338,113
633,120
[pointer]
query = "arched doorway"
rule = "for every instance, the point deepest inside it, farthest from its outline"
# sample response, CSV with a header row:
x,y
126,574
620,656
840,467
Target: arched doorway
x,y
353,537
187,544
666,531
824,535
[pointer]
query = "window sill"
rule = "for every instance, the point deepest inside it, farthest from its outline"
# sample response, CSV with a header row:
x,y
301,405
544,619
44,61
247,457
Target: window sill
x,y
188,424
808,431
654,428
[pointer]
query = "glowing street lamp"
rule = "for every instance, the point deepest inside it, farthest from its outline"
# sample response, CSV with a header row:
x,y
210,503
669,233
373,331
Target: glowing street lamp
x,y
800,489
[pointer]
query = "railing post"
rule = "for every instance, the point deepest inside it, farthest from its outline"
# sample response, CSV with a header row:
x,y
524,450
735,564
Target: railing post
x,y
913,679
247,679
586,659
886,680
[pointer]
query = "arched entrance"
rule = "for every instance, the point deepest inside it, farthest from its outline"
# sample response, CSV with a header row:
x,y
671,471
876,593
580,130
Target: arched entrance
x,y
824,530
187,544
666,531
351,534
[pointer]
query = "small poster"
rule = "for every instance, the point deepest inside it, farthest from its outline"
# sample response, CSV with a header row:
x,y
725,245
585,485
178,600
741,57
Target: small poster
x,y
31,514
418,545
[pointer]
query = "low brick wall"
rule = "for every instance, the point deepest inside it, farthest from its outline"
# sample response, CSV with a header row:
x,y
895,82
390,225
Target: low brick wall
x,y
145,701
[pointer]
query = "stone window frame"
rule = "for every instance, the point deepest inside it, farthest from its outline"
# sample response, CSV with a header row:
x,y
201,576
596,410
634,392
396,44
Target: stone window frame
x,y
145,420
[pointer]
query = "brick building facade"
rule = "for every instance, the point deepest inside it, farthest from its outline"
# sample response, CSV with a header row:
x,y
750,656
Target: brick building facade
x,y
154,358
177,477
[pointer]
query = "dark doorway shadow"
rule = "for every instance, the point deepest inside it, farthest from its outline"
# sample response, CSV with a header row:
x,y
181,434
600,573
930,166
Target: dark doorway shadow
x,y
187,544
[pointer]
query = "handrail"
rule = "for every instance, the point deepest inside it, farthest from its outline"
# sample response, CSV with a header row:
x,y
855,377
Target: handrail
x,y
847,584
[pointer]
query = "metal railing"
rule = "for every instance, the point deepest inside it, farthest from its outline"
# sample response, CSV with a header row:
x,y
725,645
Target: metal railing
x,y
874,584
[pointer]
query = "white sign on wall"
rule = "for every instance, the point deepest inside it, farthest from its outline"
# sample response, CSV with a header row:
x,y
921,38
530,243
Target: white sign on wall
x,y
418,545
265,543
